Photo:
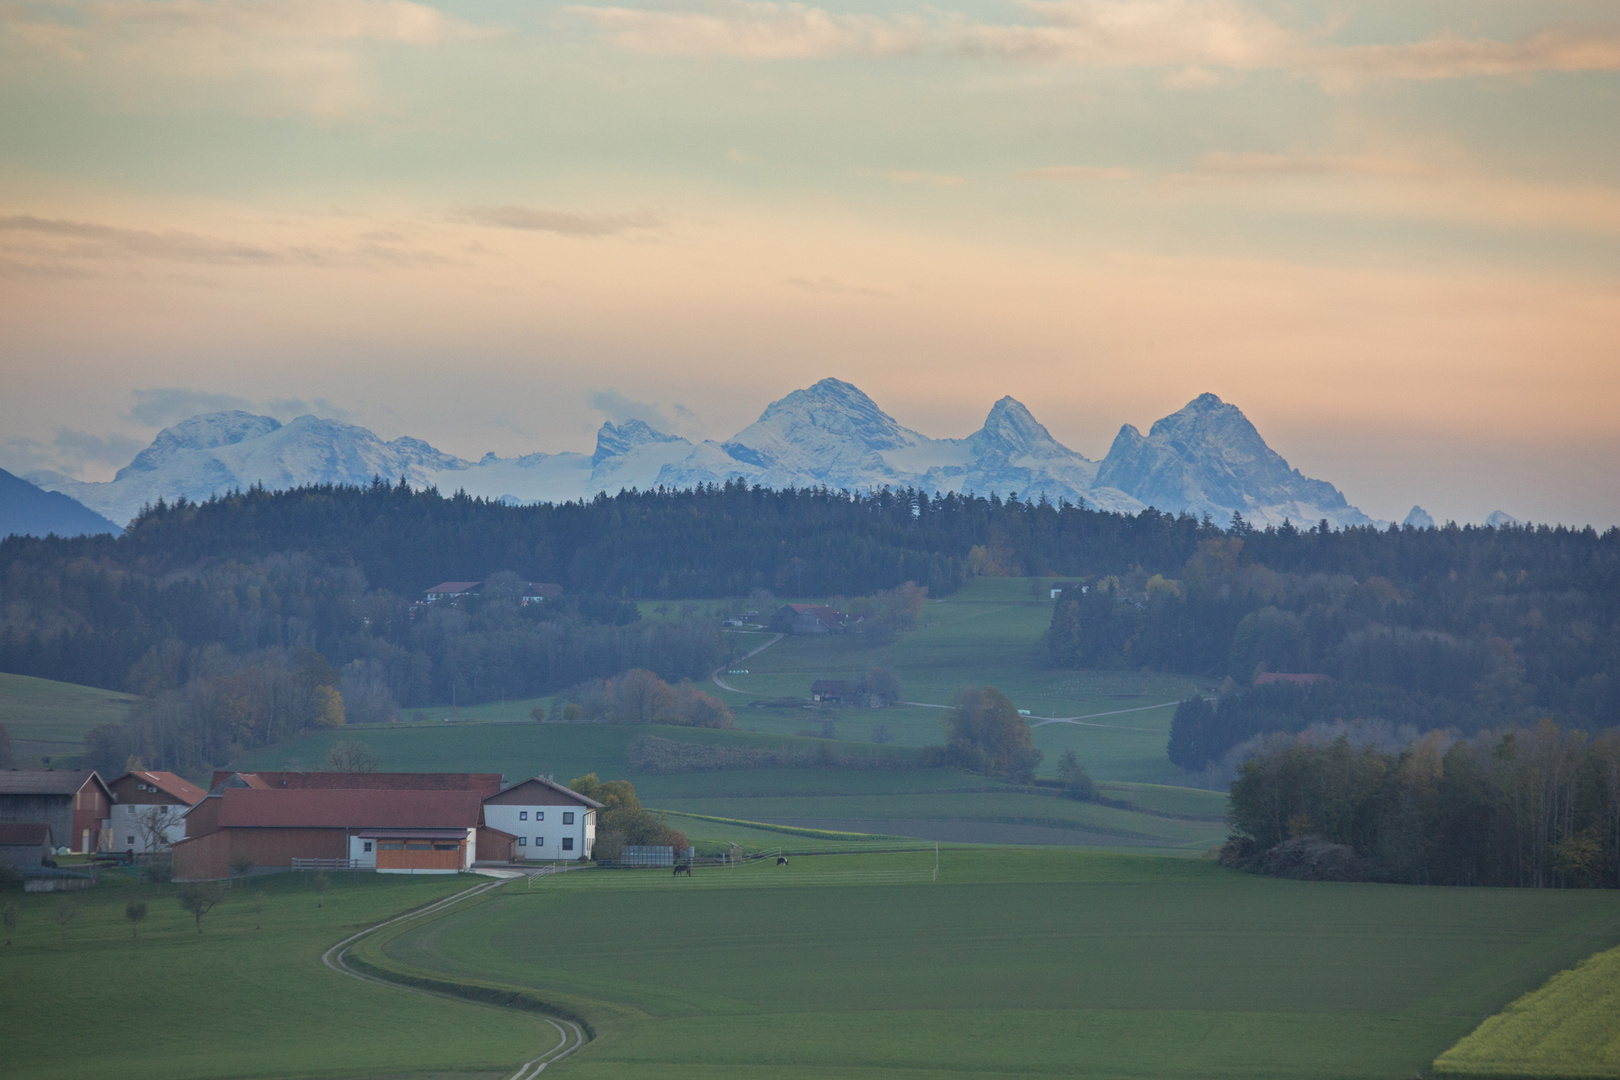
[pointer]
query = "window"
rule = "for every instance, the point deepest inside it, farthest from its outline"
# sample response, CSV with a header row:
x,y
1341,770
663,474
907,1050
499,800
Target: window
x,y
419,847
568,817
446,847
568,843
390,847
365,846
130,841
539,815
523,841
523,815
539,841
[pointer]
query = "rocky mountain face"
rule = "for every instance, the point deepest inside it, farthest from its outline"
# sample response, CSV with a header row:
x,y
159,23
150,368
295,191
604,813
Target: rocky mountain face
x,y
1205,459
28,510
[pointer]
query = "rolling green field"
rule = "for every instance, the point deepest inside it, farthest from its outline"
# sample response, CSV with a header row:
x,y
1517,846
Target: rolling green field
x,y
1014,962
234,1001
49,719
1568,1028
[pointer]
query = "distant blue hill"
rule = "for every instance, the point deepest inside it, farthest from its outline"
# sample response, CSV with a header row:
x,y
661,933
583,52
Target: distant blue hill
x,y
33,511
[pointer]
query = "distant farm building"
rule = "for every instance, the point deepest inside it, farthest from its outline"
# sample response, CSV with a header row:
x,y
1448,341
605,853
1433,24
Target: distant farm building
x,y
834,692
369,829
148,814
548,820
25,844
809,619
73,802
417,823
529,592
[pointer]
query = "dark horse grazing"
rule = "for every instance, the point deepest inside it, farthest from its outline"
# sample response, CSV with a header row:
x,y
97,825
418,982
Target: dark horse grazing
x,y
781,860
683,868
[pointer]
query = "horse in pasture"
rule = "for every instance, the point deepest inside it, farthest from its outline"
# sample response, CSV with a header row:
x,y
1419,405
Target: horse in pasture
x,y
683,868
781,860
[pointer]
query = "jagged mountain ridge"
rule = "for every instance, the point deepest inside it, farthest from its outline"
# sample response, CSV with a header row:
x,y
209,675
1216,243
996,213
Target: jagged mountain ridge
x,y
1204,459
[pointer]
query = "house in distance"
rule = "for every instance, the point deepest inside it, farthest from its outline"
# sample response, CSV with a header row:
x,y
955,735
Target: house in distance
x,y
148,809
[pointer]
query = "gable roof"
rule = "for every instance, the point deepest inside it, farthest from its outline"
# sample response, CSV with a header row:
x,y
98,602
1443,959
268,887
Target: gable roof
x,y
170,784
337,808
454,587
552,787
49,781
16,834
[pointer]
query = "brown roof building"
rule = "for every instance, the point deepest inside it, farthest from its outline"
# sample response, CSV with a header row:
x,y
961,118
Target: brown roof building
x,y
149,808
485,783
407,831
24,844
73,802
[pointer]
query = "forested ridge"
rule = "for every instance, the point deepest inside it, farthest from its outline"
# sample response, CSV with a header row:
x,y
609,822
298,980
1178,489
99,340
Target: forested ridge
x,y
1459,627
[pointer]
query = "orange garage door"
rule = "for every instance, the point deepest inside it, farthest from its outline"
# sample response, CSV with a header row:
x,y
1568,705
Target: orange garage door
x,y
419,854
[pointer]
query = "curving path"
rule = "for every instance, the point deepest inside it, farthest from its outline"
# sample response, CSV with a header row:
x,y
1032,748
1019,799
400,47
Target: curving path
x,y
722,684
571,1037
1042,721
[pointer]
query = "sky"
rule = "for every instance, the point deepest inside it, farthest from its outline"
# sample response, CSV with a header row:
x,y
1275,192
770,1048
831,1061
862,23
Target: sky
x,y
1388,231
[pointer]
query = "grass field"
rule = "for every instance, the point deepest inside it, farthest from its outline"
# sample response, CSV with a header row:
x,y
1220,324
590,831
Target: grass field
x,y
234,1001
49,719
1013,963
1568,1028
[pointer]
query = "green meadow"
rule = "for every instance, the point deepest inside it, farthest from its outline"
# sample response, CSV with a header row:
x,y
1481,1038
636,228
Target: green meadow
x,y
233,1001
50,719
1012,962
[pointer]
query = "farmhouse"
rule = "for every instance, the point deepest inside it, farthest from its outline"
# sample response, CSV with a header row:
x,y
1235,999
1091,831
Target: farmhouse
x,y
548,820
809,619
388,830
530,592
147,815
451,591
73,802
833,691
25,844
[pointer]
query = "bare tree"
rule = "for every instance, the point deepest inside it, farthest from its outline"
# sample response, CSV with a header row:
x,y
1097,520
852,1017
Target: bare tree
x,y
152,826
320,883
199,898
350,756
65,911
135,911
258,910
8,918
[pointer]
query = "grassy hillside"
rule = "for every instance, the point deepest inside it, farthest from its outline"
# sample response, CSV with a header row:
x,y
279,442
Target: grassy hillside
x,y
1012,963
234,1001
49,719
1568,1028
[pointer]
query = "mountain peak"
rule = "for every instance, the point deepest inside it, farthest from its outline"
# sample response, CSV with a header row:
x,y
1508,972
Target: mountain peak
x,y
615,439
832,409
207,431
1012,429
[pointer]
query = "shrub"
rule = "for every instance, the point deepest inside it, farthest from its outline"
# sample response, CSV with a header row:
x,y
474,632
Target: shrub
x,y
158,871
240,865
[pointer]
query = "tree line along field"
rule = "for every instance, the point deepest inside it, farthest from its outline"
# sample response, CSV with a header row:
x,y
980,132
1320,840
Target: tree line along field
x,y
233,1001
1014,962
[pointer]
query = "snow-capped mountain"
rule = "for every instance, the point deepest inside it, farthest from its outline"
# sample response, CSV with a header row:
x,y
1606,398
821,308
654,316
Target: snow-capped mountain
x,y
1207,458
1419,518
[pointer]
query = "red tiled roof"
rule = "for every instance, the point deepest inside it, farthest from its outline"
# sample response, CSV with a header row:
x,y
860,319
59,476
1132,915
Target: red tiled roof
x,y
170,784
336,808
484,783
25,832
552,785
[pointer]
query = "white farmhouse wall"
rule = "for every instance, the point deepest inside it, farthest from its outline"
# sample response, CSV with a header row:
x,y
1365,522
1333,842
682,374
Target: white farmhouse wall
x,y
541,829
128,834
363,853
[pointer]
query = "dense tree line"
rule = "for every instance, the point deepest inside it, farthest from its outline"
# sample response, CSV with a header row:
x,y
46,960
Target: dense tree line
x,y
1465,628
1535,806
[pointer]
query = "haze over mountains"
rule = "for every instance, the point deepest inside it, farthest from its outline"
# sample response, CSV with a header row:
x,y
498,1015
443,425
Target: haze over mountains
x,y
1207,458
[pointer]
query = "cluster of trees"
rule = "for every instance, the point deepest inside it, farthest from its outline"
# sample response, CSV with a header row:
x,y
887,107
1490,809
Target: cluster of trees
x,y
623,820
640,697
1468,628
986,735
1536,806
